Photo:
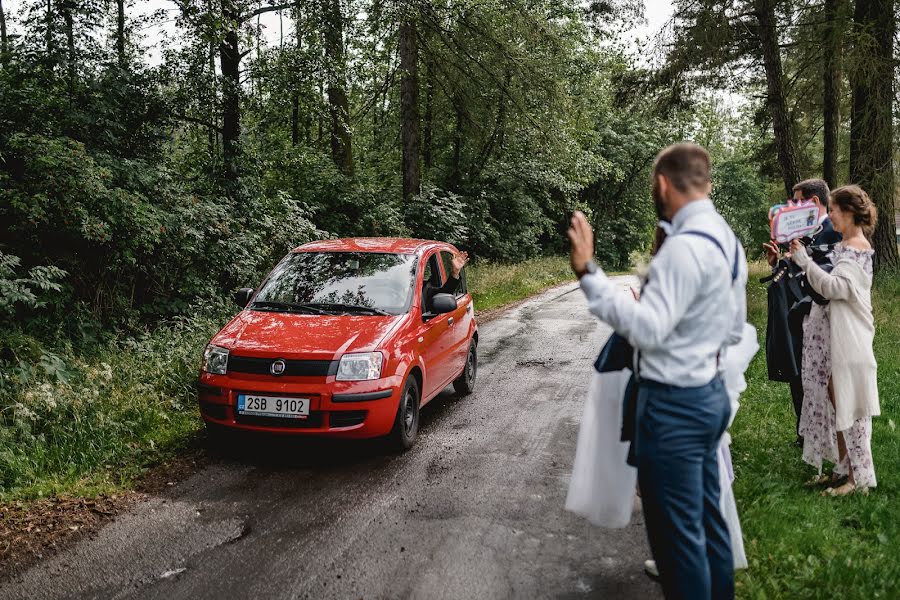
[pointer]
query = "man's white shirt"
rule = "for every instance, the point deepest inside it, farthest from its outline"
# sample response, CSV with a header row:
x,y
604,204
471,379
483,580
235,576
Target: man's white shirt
x,y
689,309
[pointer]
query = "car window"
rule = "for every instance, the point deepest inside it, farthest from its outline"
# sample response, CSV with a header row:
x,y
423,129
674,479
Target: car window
x,y
447,259
382,281
431,279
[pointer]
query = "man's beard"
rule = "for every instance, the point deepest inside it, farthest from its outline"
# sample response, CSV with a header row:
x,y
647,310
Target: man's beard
x,y
658,203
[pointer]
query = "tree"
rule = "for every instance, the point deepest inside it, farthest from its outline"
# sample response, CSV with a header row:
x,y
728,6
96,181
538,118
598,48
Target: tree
x,y
120,33
871,128
338,103
4,41
409,107
831,107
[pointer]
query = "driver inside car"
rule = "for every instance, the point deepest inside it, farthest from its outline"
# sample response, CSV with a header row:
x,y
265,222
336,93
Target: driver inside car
x,y
430,290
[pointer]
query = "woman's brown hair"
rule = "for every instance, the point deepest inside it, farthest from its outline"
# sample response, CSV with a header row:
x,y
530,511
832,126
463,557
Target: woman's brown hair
x,y
853,199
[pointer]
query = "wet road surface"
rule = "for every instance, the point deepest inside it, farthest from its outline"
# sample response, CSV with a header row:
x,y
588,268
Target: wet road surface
x,y
474,510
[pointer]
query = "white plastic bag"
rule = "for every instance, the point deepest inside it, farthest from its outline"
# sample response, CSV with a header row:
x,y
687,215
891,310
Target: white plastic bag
x,y
602,485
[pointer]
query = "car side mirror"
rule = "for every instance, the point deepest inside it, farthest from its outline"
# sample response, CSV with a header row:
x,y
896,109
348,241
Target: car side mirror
x,y
242,296
443,303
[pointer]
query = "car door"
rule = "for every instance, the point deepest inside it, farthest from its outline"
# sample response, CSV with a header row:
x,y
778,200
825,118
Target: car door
x,y
460,320
434,343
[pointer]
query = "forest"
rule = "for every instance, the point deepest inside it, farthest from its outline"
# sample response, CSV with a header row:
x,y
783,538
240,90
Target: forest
x,y
131,188
144,177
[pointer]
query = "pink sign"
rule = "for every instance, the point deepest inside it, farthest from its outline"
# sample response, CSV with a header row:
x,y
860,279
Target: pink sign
x,y
792,221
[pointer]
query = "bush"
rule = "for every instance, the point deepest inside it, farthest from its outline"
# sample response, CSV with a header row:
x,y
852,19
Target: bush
x,y
85,423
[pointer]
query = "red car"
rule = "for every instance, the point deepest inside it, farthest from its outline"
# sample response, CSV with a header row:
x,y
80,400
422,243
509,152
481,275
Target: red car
x,y
344,338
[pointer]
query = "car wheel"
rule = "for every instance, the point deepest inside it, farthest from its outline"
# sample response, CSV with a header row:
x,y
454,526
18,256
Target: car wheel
x,y
406,423
465,383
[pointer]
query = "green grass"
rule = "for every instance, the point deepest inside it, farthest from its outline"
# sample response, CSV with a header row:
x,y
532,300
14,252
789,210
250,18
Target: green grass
x,y
93,424
83,424
799,544
495,284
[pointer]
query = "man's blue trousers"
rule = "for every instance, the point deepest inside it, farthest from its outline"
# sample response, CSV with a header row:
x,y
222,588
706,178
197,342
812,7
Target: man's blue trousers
x,y
677,440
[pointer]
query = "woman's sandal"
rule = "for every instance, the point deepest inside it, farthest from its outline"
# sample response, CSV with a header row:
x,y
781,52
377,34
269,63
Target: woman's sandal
x,y
832,479
845,490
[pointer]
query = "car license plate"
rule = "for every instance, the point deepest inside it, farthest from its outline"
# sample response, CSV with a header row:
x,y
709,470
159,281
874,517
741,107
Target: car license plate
x,y
272,406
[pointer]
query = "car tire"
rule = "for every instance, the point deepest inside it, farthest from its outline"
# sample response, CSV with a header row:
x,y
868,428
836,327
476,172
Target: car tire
x,y
406,423
465,383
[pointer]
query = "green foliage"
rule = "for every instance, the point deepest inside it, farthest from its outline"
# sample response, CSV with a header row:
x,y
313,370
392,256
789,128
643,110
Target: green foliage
x,y
25,291
743,198
436,214
75,424
494,284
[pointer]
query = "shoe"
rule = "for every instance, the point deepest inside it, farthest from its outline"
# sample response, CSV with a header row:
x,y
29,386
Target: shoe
x,y
831,480
650,569
845,490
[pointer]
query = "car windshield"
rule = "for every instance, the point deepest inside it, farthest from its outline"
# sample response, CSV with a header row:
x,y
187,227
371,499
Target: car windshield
x,y
340,282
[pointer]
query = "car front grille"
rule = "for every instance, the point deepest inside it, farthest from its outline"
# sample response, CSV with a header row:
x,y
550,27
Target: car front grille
x,y
346,418
313,421
292,368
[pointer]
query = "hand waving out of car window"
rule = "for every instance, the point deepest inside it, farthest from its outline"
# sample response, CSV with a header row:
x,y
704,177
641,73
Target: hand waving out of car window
x,y
459,261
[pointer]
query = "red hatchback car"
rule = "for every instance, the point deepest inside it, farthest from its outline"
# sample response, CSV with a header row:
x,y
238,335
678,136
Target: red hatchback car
x,y
344,338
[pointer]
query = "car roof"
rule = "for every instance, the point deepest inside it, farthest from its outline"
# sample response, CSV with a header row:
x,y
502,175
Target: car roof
x,y
372,244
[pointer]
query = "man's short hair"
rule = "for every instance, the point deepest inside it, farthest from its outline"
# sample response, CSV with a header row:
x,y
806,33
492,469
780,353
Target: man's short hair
x,y
813,187
685,165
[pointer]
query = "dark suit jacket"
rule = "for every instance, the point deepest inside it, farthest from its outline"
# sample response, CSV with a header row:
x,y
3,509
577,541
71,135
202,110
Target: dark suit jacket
x,y
790,300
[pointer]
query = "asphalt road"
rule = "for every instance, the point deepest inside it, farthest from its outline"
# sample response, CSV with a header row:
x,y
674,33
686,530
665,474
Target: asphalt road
x,y
474,510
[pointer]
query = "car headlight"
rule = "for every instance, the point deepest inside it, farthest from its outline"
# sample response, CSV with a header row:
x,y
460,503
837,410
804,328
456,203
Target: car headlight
x,y
215,360
360,367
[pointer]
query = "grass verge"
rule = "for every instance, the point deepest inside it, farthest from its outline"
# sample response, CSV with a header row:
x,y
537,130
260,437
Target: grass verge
x,y
799,544
496,284
89,424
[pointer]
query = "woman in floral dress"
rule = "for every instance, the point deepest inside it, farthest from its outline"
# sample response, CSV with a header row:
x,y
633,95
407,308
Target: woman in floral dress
x,y
840,394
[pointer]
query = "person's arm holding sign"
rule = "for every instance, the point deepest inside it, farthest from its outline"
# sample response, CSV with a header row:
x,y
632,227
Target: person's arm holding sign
x,y
664,300
826,284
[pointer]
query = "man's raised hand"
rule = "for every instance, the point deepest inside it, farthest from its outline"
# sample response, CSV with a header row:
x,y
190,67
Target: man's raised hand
x,y
582,238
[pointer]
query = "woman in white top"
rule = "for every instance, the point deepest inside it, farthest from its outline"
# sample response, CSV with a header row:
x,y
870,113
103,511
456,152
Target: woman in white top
x,y
840,391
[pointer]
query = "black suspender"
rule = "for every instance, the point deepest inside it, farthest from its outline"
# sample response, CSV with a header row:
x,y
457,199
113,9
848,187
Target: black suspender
x,y
734,266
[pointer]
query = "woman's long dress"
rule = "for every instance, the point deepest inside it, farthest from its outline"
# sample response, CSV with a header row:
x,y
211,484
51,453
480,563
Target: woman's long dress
x,y
817,419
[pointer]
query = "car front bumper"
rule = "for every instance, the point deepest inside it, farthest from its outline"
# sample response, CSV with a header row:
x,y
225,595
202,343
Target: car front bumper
x,y
341,409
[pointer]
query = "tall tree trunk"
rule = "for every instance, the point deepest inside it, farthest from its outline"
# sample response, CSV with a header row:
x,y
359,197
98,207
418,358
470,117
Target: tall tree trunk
x,y
120,33
295,93
834,31
4,42
69,20
338,103
409,108
428,123
230,64
456,160
48,27
775,95
871,127
295,118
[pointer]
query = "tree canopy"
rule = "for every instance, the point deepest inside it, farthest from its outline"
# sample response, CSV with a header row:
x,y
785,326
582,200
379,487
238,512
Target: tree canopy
x,y
132,187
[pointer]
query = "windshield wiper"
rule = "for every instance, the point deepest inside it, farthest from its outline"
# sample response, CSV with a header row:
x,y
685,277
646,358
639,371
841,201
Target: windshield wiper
x,y
353,307
288,306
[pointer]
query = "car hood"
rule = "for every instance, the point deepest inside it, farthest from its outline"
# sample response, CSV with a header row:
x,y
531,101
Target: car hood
x,y
287,335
